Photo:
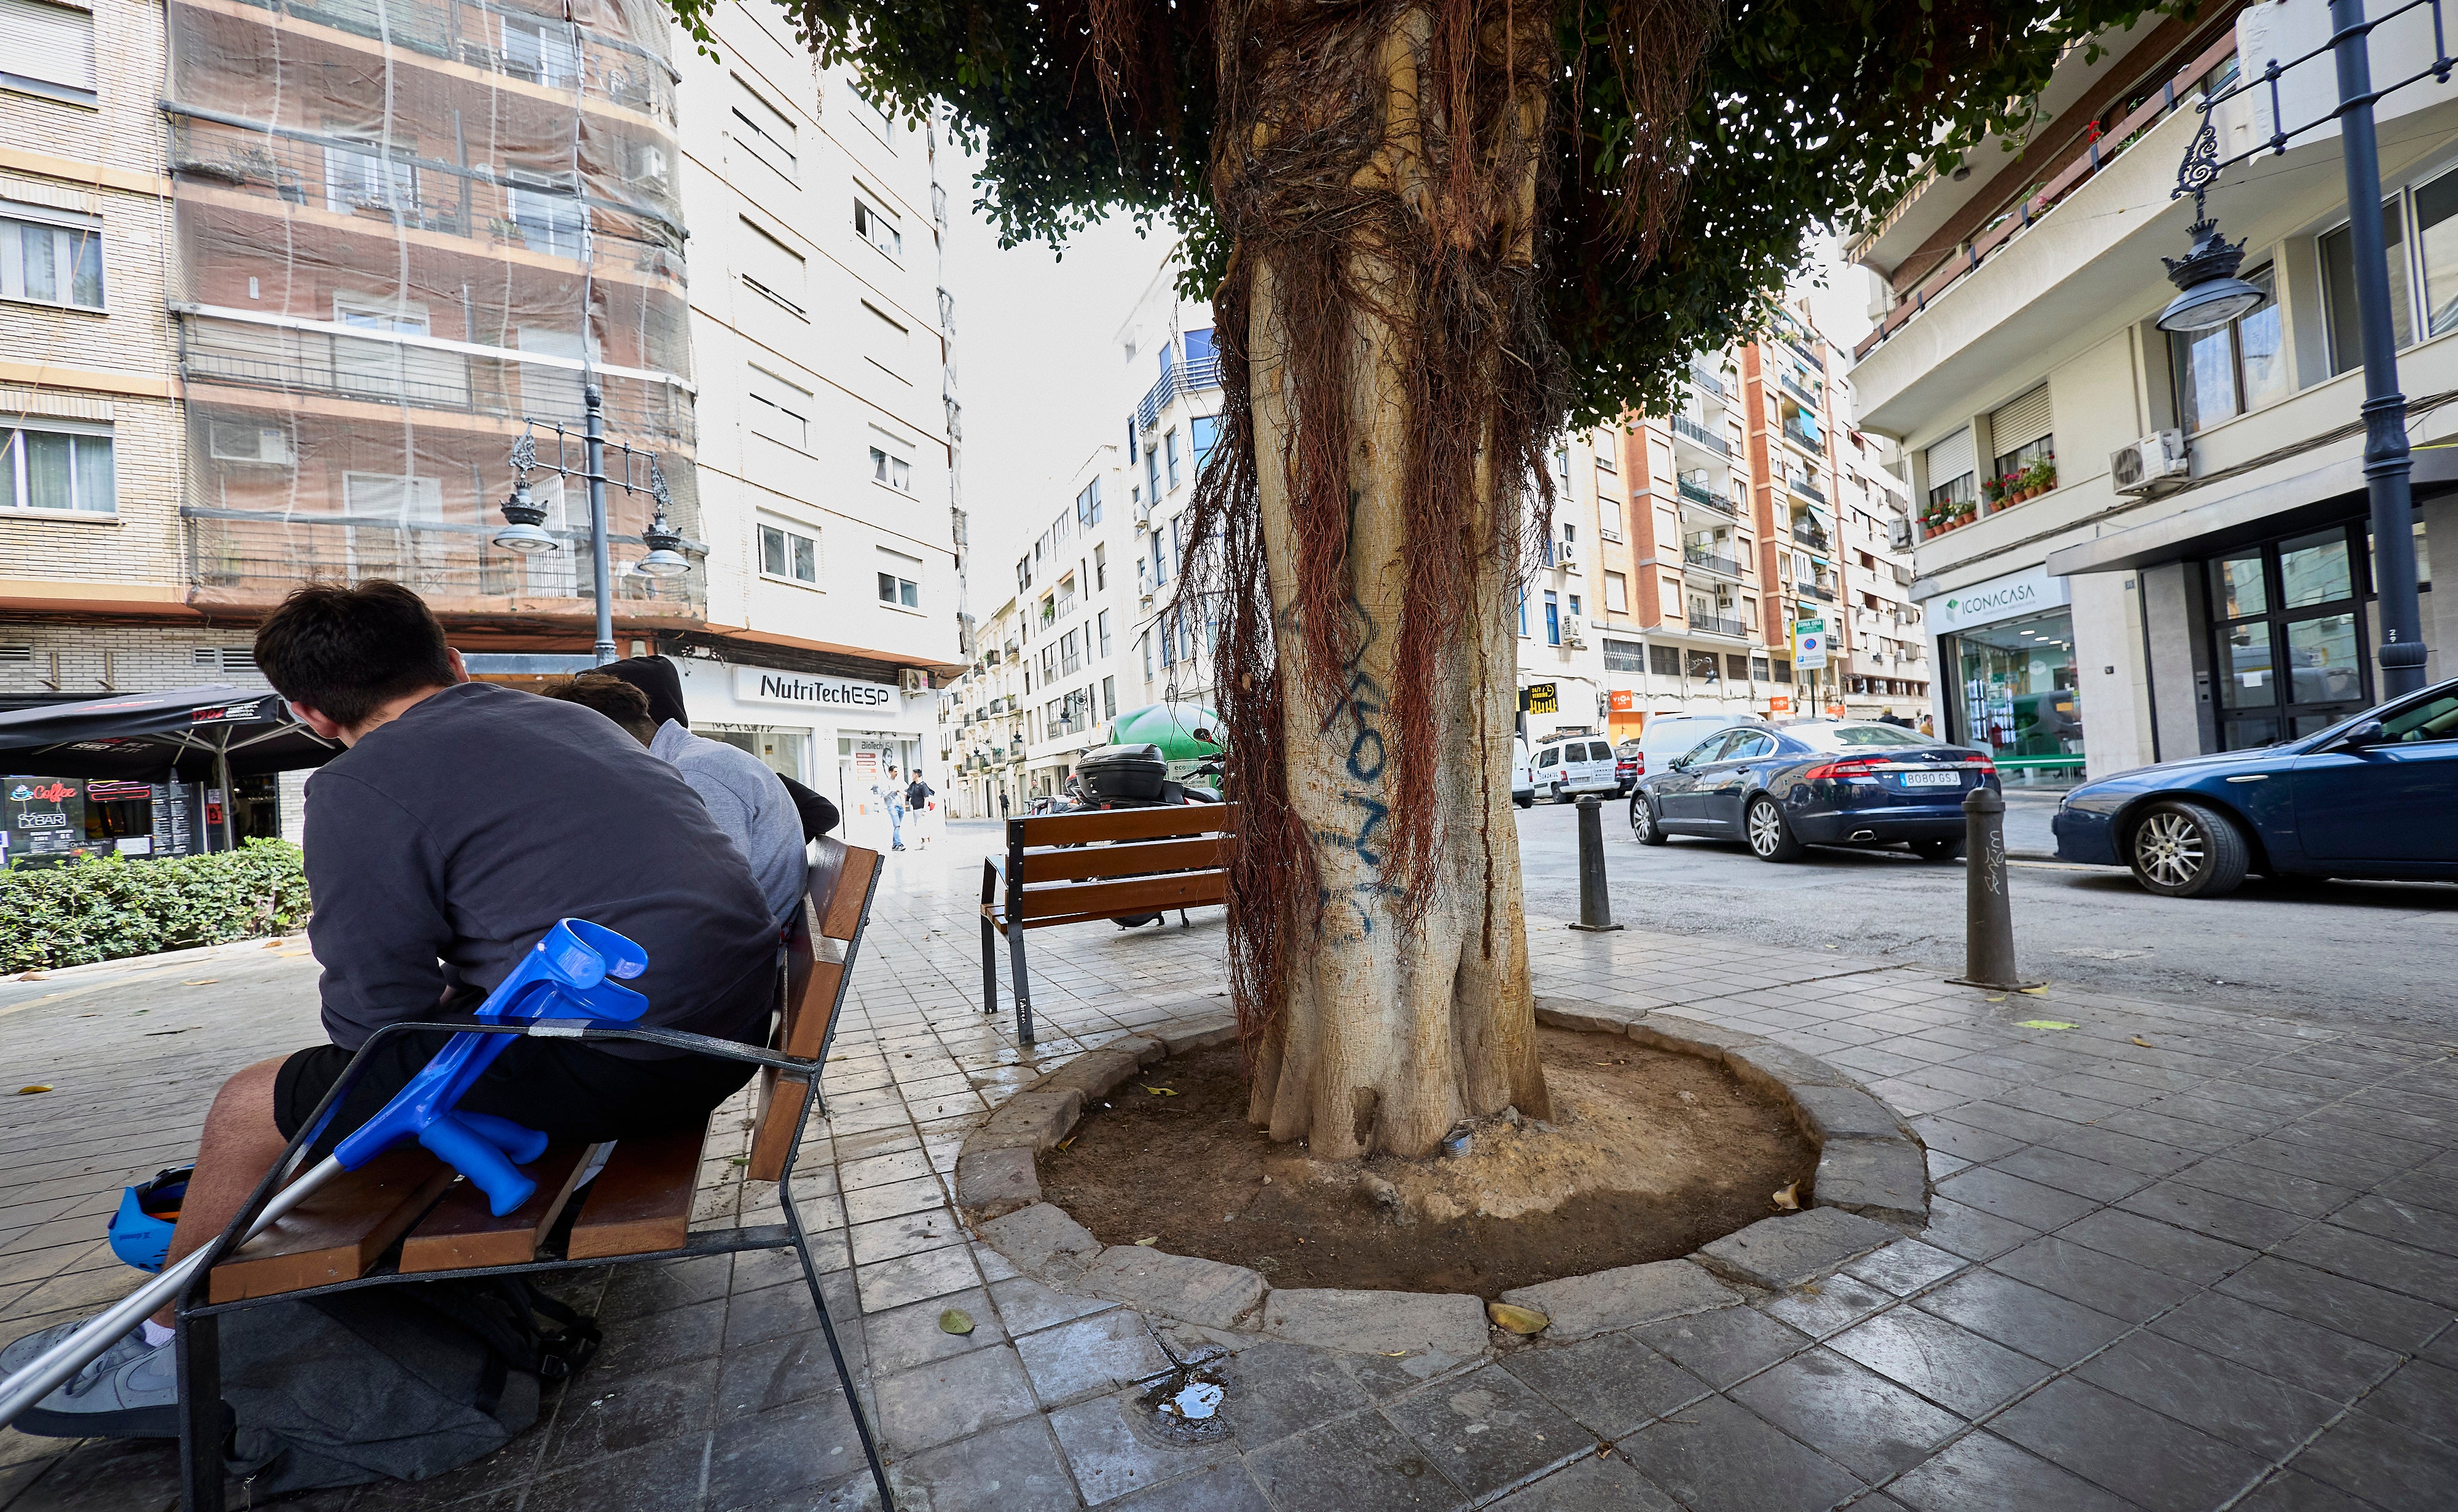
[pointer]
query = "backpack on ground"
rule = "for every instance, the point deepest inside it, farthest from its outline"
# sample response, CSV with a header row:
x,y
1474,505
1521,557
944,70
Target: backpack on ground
x,y
401,1382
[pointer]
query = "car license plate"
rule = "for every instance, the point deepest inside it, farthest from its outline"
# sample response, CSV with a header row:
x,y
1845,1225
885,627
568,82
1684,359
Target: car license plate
x,y
1932,779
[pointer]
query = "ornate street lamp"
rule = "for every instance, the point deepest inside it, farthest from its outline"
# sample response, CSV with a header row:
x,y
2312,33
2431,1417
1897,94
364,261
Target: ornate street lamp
x,y
2210,295
525,519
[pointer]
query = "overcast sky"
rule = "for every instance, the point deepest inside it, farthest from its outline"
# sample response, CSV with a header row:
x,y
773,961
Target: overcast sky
x,y
1036,373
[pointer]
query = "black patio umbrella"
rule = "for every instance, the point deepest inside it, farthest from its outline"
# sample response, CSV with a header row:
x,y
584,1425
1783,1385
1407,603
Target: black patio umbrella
x,y
210,732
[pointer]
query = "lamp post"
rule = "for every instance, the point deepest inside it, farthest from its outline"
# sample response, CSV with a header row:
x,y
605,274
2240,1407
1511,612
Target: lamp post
x,y
2210,295
525,519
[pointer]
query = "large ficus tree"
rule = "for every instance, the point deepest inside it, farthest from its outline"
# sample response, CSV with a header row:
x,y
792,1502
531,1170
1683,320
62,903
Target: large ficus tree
x,y
1435,233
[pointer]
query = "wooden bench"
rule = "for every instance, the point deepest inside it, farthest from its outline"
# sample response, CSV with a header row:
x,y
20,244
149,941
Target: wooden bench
x,y
406,1217
1105,863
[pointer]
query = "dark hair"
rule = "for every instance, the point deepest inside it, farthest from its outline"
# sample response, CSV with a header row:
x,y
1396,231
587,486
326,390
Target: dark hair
x,y
348,652
611,697
657,681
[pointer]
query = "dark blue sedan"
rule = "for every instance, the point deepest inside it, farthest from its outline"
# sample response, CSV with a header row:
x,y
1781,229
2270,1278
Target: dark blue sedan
x,y
1783,788
2375,797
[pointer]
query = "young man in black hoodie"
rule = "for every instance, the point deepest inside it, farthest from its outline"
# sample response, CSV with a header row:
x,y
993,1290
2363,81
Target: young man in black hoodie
x,y
462,821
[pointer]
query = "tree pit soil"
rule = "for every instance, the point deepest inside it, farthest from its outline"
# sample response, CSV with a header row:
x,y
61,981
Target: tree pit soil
x,y
1649,1155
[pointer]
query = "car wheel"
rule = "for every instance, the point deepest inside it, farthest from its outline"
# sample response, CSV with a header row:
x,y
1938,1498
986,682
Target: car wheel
x,y
1528,802
1770,837
1560,796
1643,827
2185,850
1938,850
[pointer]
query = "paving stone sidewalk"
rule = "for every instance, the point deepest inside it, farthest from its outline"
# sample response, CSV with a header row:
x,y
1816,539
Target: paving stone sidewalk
x,y
2182,1257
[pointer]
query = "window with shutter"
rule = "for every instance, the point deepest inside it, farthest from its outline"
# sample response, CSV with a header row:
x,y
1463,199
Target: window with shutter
x,y
46,50
773,268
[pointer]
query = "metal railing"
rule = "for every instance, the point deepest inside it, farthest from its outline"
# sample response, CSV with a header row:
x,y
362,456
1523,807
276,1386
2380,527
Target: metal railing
x,y
2093,157
1798,392
1814,591
1181,378
1810,533
1709,382
1707,497
1718,625
1711,561
1690,430
1805,488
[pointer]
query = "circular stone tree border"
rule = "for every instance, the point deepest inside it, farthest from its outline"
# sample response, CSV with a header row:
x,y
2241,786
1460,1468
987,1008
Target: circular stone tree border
x,y
1871,1189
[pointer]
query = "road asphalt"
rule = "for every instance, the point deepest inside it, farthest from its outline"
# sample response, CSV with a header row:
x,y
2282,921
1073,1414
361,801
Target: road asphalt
x,y
2351,952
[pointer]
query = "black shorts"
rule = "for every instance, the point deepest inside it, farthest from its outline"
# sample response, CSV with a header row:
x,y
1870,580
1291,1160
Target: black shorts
x,y
563,1089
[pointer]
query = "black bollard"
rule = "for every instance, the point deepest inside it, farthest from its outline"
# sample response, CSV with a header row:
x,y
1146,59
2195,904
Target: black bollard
x,y
1595,908
1988,909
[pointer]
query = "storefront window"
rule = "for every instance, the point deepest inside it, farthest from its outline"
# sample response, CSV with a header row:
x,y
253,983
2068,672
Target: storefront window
x,y
2288,632
2018,697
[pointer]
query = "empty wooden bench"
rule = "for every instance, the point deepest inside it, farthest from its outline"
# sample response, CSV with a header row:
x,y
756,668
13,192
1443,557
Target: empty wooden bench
x,y
406,1217
1108,864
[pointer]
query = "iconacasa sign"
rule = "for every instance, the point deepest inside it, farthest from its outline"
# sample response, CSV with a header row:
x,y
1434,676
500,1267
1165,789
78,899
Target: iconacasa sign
x,y
2008,597
802,691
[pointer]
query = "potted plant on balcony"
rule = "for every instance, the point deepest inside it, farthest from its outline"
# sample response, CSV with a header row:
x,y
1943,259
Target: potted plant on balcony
x,y
2040,476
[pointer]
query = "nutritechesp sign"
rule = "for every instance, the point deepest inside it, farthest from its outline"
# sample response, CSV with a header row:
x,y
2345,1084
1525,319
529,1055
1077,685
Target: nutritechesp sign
x,y
2009,597
766,685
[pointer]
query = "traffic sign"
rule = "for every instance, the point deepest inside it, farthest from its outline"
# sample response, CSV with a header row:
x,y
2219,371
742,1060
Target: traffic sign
x,y
1808,644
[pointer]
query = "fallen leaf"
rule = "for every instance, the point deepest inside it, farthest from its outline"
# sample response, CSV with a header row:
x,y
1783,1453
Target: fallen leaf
x,y
2042,1023
1150,1239
201,982
1393,1354
2145,1044
38,1087
1521,1320
155,1034
34,976
1160,1092
1788,1198
1064,1143
1999,997
956,1321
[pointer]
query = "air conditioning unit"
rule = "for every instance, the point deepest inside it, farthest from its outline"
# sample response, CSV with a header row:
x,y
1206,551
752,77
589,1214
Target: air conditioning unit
x,y
1565,553
1575,630
1898,534
2154,465
913,679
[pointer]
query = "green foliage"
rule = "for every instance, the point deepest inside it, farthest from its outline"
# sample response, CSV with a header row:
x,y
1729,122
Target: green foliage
x,y
102,908
1813,113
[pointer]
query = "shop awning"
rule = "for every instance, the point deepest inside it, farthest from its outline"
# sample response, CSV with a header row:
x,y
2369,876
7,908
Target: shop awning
x,y
151,737
2318,497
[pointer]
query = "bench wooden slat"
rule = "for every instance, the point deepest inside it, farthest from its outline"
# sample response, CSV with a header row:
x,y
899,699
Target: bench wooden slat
x,y
642,1202
1127,860
841,913
1127,825
339,1231
461,1232
806,1027
1043,905
777,1119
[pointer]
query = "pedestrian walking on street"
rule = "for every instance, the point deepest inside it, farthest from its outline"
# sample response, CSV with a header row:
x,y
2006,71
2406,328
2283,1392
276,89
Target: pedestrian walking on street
x,y
890,794
1928,727
917,797
1002,802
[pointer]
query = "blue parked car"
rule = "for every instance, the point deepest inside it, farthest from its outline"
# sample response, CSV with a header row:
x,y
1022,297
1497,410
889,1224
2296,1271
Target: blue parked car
x,y
1783,788
2374,797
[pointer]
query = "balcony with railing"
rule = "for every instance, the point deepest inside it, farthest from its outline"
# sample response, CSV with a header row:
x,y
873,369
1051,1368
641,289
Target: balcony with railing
x,y
1702,497
1809,588
1718,625
1690,431
1805,396
1710,383
1712,561
1182,377
1809,532
1805,488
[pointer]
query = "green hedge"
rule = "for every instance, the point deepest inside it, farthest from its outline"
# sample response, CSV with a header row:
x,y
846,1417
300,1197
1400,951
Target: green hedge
x,y
102,908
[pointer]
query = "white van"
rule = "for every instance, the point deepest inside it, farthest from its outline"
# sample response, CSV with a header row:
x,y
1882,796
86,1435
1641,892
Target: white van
x,y
1566,767
1522,787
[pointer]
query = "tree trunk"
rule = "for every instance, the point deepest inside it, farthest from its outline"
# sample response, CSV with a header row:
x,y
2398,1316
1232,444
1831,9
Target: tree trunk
x,y
1406,1005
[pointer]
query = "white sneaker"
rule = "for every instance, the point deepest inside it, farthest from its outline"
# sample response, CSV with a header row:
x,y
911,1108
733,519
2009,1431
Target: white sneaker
x,y
17,1356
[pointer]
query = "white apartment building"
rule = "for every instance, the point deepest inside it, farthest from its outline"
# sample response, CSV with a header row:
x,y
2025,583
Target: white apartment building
x,y
2136,546
981,719
1171,390
827,412
1076,603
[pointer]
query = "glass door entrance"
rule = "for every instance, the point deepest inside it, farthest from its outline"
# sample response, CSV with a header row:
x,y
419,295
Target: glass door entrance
x,y
2287,625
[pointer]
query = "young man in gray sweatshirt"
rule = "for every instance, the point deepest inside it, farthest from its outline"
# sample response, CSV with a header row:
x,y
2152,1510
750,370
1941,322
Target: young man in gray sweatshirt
x,y
462,821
